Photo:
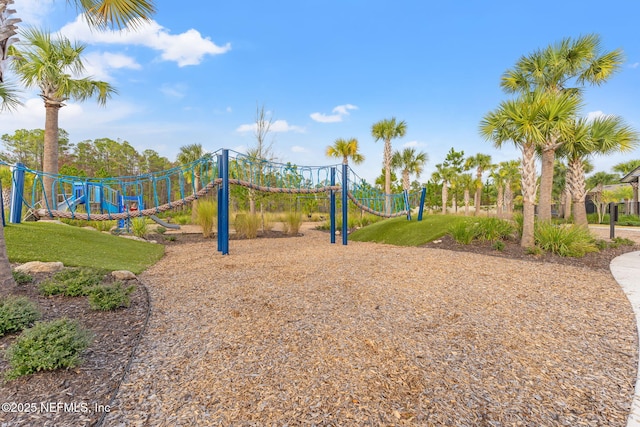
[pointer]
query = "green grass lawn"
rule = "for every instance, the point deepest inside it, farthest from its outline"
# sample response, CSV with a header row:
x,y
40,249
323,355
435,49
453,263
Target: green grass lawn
x,y
400,232
77,247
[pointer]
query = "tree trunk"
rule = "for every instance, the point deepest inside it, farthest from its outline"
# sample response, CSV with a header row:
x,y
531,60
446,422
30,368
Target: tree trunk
x,y
578,187
508,197
405,180
466,202
546,184
6,276
478,196
528,194
445,196
634,206
387,176
50,159
500,200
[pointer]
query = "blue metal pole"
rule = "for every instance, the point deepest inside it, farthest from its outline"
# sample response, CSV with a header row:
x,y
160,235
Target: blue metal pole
x,y
17,192
422,197
407,206
225,201
332,209
220,204
345,200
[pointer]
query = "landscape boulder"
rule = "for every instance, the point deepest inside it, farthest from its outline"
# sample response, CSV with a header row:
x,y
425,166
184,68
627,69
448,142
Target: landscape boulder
x,y
40,267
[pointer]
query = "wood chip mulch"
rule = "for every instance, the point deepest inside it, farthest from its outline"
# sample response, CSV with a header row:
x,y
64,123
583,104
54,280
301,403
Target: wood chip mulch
x,y
302,332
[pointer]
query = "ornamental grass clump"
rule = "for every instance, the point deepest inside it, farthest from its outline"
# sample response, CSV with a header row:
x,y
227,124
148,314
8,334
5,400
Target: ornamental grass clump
x,y
493,229
564,240
110,297
293,221
47,346
16,313
139,227
463,232
247,225
206,217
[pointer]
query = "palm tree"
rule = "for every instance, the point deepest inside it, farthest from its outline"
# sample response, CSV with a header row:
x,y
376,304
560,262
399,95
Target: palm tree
x,y
467,183
445,175
8,28
49,64
510,171
387,130
481,162
410,163
517,121
345,149
189,154
572,62
626,168
603,135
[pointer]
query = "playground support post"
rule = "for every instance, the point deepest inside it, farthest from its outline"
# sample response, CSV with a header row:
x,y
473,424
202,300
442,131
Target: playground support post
x,y
345,200
423,195
332,209
17,192
219,159
407,206
225,201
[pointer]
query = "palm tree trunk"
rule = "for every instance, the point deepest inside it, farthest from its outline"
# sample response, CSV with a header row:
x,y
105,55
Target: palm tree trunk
x,y
387,176
478,196
466,202
50,158
546,184
405,179
6,277
445,196
528,194
578,189
508,197
500,200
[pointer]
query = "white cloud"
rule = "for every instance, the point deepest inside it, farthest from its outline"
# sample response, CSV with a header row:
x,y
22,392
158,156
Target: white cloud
x,y
188,48
32,12
298,149
413,144
635,65
339,112
99,65
279,126
594,115
177,90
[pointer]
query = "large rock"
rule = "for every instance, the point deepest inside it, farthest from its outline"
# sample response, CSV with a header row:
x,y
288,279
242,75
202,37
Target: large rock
x,y
40,267
123,275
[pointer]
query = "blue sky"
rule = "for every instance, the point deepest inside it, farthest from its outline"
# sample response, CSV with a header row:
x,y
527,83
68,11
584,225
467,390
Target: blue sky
x,y
325,70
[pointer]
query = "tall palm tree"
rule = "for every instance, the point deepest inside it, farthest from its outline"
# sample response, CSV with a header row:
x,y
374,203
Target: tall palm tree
x,y
481,162
410,163
445,175
345,149
106,12
8,28
518,121
510,171
601,136
625,168
50,65
467,183
387,130
564,67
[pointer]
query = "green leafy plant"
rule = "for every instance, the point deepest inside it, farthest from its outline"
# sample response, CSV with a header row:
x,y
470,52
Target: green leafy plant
x,y
72,282
621,241
103,225
463,232
110,297
139,227
492,229
16,313
22,278
565,240
47,346
206,217
160,229
498,245
293,221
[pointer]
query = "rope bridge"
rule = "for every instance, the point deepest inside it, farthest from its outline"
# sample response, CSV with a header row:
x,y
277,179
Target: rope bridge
x,y
121,198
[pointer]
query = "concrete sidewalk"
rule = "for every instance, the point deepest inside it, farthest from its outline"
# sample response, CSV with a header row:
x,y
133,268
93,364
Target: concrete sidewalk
x,y
626,270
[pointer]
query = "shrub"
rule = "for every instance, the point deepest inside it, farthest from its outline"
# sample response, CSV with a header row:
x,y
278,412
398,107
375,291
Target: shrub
x,y
621,241
103,225
206,217
246,225
161,230
22,278
567,240
182,219
294,221
72,282
47,346
110,297
518,220
630,220
463,232
139,227
16,313
498,245
493,229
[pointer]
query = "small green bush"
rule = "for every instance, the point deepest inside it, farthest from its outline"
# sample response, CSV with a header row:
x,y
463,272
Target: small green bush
x,y
246,225
22,278
161,230
463,232
498,245
46,347
182,219
16,313
72,282
110,297
206,217
518,220
139,227
492,229
621,241
566,240
103,225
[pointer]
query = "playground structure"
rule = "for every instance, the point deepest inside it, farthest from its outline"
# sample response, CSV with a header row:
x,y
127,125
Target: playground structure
x,y
125,198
